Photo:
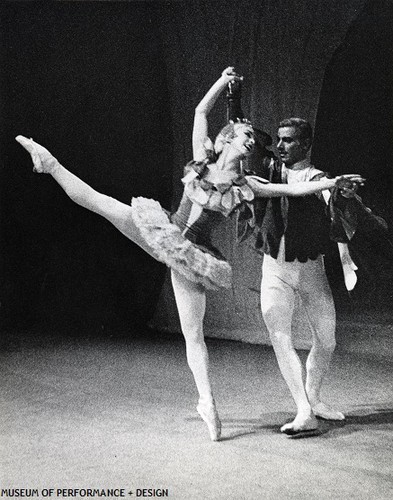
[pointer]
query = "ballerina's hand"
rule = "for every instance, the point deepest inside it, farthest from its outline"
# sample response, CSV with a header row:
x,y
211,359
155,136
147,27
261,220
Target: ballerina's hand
x,y
230,75
349,184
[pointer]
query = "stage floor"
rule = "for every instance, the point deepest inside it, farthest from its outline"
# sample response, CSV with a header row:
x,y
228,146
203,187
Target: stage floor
x,y
120,413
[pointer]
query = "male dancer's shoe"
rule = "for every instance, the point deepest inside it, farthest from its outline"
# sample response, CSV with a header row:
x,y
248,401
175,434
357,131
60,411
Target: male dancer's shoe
x,y
301,426
320,410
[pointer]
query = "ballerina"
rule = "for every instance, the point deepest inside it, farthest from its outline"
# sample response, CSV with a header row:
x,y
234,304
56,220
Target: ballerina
x,y
214,187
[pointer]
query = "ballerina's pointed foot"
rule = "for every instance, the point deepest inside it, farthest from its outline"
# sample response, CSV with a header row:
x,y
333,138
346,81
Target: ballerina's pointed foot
x,y
301,425
323,411
210,416
43,161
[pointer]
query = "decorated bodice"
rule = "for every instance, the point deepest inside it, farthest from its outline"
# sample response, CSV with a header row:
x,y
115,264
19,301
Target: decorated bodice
x,y
210,195
195,222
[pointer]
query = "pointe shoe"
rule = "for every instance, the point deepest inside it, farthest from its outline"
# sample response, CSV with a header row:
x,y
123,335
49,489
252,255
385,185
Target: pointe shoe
x,y
210,416
320,410
300,425
43,161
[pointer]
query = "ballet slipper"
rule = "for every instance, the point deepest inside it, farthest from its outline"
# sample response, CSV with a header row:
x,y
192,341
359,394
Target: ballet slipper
x,y
300,425
210,416
324,412
43,161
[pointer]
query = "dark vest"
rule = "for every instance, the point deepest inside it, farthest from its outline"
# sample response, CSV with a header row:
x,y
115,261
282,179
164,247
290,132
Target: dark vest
x,y
303,220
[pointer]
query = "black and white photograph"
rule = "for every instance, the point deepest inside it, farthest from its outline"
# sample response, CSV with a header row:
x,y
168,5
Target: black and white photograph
x,y
196,286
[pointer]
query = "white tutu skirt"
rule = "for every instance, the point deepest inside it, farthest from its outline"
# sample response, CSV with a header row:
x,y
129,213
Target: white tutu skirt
x,y
167,244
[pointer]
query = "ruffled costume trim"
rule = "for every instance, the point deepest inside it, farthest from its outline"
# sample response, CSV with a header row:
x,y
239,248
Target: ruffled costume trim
x,y
224,193
169,246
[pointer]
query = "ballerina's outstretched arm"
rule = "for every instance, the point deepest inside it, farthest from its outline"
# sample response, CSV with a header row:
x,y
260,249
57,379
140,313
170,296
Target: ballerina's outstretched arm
x,y
271,190
118,213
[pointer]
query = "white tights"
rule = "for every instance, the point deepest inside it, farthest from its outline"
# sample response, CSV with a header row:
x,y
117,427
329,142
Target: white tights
x,y
280,282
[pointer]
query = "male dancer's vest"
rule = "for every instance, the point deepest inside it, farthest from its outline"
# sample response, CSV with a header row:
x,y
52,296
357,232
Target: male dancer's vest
x,y
303,220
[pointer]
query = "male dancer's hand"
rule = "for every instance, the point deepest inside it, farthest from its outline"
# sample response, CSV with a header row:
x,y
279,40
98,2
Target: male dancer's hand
x,y
349,184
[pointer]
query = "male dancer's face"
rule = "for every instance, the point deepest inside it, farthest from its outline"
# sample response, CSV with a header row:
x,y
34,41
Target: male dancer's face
x,y
289,146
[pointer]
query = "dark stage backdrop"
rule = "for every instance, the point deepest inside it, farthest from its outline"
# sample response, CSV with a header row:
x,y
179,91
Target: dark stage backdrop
x,y
354,122
88,81
111,87
354,132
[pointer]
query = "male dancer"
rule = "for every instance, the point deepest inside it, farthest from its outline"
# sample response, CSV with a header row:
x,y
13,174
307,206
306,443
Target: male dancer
x,y
295,234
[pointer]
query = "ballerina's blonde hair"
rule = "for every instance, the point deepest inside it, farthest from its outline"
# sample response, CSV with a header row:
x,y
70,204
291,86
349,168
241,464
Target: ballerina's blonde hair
x,y
228,133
